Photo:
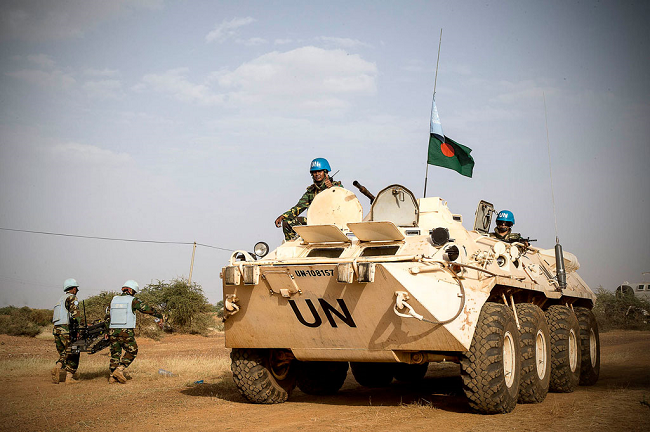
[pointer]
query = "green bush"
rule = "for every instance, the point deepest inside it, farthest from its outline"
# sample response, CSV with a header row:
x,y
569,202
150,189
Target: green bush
x,y
620,311
96,305
18,323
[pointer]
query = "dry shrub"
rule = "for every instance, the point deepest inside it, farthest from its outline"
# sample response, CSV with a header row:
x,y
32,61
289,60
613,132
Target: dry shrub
x,y
620,311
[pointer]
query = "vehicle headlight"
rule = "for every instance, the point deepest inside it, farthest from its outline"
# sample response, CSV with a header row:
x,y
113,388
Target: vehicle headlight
x,y
261,249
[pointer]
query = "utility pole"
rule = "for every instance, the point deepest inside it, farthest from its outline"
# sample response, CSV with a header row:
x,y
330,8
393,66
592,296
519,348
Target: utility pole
x,y
192,265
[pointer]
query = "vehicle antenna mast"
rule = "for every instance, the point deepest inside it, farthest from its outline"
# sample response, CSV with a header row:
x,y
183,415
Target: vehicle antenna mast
x,y
435,81
559,257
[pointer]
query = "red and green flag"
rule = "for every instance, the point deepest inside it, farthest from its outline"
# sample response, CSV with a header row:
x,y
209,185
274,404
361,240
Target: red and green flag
x,y
445,152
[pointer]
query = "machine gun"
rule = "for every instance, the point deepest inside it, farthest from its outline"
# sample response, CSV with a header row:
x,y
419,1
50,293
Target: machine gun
x,y
364,191
88,338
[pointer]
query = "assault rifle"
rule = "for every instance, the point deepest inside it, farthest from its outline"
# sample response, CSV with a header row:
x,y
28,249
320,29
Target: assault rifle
x,y
522,240
88,338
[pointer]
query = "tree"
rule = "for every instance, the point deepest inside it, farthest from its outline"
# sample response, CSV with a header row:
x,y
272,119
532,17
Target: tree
x,y
181,304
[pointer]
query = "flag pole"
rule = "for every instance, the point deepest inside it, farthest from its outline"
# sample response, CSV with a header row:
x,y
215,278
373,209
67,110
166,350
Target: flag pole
x,y
435,82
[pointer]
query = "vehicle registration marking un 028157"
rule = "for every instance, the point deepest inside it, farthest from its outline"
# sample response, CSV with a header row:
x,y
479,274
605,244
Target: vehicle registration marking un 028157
x,y
314,273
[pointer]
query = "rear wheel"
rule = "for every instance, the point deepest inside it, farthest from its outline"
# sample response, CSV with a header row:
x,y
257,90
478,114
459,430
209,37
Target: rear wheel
x,y
321,378
263,375
491,368
535,353
565,349
410,373
590,342
373,374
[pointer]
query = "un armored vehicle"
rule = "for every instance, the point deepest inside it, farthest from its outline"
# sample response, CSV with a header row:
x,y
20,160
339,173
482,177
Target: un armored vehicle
x,y
407,285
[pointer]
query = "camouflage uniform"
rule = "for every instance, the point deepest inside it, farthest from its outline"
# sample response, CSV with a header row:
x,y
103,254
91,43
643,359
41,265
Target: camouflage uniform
x,y
69,362
124,338
291,216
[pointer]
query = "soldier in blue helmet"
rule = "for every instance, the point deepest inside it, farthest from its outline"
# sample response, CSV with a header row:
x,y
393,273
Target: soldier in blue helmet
x,y
503,230
121,332
66,319
319,170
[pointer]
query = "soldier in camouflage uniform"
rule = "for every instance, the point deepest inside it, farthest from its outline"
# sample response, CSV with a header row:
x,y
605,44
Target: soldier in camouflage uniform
x,y
503,231
318,169
121,330
66,315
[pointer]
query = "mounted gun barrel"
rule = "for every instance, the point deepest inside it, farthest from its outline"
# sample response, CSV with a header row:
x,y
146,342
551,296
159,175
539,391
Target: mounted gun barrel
x,y
364,191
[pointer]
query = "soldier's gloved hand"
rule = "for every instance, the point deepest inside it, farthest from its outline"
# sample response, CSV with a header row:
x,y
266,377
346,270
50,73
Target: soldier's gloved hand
x,y
278,221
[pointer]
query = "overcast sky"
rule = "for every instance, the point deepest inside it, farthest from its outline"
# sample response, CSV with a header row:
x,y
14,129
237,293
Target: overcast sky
x,y
189,121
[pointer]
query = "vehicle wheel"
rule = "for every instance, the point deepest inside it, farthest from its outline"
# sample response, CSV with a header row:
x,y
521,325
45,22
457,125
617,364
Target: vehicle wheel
x,y
410,373
321,378
490,369
590,342
263,375
535,353
373,374
565,349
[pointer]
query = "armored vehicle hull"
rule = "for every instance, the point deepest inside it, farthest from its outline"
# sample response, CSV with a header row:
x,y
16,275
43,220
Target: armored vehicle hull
x,y
402,287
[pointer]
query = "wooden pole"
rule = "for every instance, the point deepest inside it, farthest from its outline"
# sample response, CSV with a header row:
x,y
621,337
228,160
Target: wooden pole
x,y
192,265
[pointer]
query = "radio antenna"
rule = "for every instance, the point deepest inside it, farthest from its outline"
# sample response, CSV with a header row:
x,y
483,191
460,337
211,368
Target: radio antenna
x,y
550,170
435,82
559,256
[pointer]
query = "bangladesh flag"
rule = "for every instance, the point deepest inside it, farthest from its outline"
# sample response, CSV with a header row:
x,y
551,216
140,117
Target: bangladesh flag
x,y
445,152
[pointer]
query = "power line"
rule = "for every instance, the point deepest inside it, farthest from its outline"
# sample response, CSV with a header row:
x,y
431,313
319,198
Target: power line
x,y
115,239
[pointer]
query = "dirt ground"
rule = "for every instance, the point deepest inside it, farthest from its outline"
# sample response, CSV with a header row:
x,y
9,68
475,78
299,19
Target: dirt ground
x,y
29,401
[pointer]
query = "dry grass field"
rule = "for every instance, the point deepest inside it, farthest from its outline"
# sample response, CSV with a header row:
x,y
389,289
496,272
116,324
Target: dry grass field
x,y
619,401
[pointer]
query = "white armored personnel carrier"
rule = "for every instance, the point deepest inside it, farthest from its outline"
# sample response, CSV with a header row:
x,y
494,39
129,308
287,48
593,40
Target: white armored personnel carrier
x,y
407,285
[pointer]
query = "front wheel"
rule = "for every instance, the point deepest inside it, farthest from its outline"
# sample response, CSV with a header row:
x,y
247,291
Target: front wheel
x,y
491,368
565,348
321,378
590,341
264,376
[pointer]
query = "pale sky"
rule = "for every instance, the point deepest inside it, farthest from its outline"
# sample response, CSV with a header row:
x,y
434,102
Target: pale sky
x,y
188,121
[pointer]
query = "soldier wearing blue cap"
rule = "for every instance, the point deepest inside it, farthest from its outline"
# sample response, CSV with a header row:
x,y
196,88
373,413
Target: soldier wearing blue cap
x,y
319,170
503,231
66,317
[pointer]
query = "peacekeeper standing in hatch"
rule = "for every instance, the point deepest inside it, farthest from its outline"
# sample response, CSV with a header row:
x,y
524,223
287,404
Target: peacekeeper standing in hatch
x,y
503,231
66,316
121,330
319,170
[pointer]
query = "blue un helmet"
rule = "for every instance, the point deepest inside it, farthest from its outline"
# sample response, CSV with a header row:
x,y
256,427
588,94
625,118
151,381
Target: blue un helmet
x,y
506,216
319,164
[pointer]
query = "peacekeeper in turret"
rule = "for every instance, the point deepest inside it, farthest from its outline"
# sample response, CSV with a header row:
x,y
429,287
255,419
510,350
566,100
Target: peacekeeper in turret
x,y
503,231
319,170
67,317
121,330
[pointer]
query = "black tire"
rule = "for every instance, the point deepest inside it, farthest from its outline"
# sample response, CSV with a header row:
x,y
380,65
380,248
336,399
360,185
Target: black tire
x,y
535,343
491,368
373,375
590,342
410,373
321,378
260,376
565,349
